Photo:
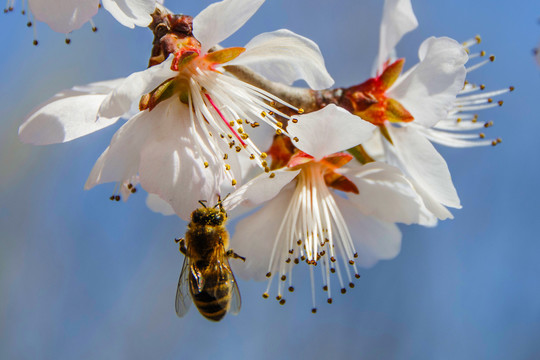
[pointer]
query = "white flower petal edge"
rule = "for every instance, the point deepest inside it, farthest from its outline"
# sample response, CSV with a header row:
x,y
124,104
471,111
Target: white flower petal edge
x,y
64,15
254,236
384,192
68,115
397,20
157,204
419,160
220,20
126,96
285,57
260,189
329,130
131,13
428,90
159,148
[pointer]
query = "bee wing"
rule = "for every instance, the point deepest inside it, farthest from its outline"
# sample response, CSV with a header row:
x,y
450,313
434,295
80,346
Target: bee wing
x,y
236,300
183,297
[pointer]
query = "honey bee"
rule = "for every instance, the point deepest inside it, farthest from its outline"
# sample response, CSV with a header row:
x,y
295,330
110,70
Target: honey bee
x,y
206,276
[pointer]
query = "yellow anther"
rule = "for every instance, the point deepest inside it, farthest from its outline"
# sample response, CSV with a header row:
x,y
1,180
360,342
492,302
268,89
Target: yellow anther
x,y
233,182
300,111
264,155
227,167
272,175
206,164
295,138
482,135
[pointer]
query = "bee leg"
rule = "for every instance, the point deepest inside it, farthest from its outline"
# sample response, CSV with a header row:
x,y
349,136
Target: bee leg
x,y
231,253
182,245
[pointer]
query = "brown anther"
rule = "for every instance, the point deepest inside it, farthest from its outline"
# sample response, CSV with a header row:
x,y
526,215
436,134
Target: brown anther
x,y
302,258
357,276
325,288
252,157
291,251
343,291
35,42
490,100
355,255
283,277
111,198
492,58
94,29
282,302
294,121
267,169
314,310
238,148
68,41
300,111
270,113
333,259
117,198
29,24
288,260
329,300
264,164
296,261
268,274
225,157
296,138
278,297
482,135
488,124
511,88
482,87
351,262
265,295
494,143
134,190
500,102
299,242
291,288
499,140
129,186
240,130
332,270
272,175
351,285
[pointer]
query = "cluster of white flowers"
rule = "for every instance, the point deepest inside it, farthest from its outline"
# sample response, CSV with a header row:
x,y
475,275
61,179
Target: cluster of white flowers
x,y
331,182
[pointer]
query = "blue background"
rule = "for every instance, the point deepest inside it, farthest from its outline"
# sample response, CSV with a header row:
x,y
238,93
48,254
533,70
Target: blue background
x,y
83,277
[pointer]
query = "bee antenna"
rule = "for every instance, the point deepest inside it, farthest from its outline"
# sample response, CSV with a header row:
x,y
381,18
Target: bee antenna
x,y
202,202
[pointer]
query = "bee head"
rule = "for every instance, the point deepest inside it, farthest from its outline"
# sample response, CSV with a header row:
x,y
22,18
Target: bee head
x,y
209,216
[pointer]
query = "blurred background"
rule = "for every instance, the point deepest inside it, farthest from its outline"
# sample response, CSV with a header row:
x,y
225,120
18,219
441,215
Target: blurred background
x,y
84,277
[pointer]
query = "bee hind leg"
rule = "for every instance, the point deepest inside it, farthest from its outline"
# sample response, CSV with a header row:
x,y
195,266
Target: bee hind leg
x,y
182,245
231,253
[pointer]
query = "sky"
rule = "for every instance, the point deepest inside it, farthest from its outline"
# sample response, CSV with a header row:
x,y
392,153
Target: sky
x,y
84,277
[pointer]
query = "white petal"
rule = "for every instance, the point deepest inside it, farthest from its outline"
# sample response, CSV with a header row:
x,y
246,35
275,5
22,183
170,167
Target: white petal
x,y
417,157
260,189
128,94
254,236
285,57
64,15
169,165
329,130
157,204
220,20
428,90
120,161
131,13
397,20
384,193
373,239
68,115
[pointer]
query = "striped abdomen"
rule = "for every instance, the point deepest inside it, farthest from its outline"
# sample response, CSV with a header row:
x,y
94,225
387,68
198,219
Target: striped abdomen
x,y
214,298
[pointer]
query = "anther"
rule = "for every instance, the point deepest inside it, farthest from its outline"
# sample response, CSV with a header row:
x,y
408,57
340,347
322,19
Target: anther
x,y
133,190
29,24
239,121
314,310
511,88
302,258
267,169
494,143
492,58
111,198
482,53
499,140
351,285
332,270
300,111
94,29
490,100
264,164
482,87
482,135
282,302
343,291
500,102
35,42
252,157
325,288
117,198
355,255
291,251
351,262
264,155
294,121
488,124
268,274
233,182
265,295
270,113
288,260
329,300
295,138
225,157
333,259
227,167
206,164
299,242
68,41
296,261
291,288
357,276
231,123
263,114
478,39
278,297
238,148
283,277
272,175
